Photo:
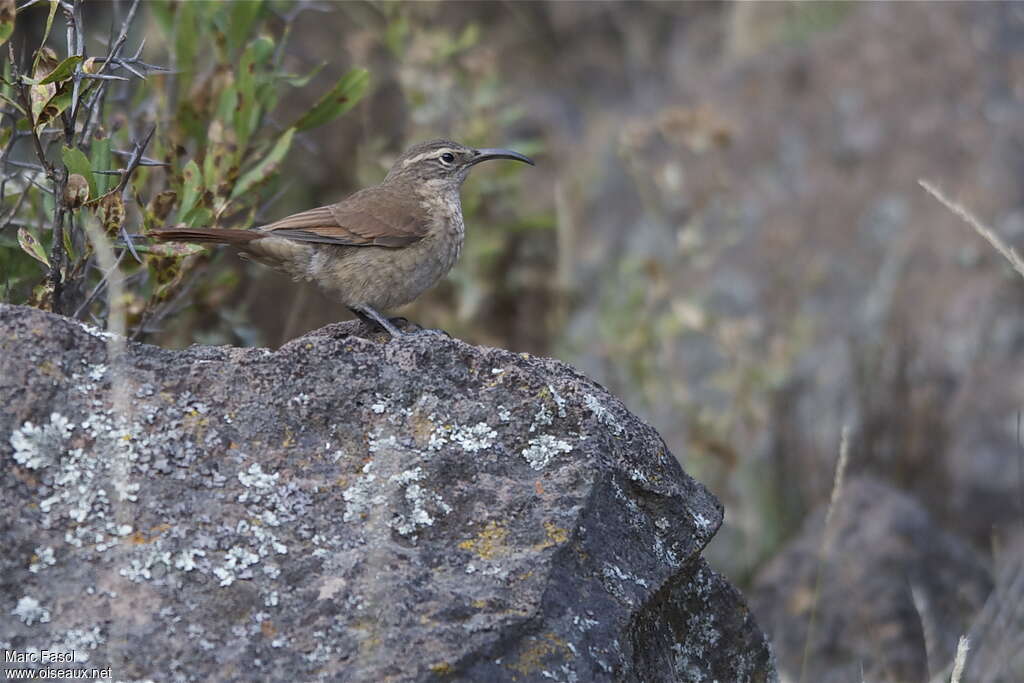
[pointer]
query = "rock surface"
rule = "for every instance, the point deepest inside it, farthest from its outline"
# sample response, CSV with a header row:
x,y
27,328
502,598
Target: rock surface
x,y
894,594
351,510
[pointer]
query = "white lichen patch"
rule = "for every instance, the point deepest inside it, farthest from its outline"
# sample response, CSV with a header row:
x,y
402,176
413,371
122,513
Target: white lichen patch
x,y
542,449
40,446
44,557
97,372
542,419
30,611
236,565
702,522
255,477
475,438
377,442
417,498
418,507
612,571
186,559
140,566
470,438
78,640
362,495
380,405
559,401
602,414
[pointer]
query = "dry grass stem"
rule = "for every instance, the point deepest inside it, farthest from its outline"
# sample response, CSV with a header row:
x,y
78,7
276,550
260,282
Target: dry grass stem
x,y
961,658
1008,252
827,540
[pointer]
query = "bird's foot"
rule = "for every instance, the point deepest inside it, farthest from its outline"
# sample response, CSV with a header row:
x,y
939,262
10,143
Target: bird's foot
x,y
392,326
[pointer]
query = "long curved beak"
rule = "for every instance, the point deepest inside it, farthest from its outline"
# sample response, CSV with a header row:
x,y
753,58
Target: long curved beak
x,y
486,154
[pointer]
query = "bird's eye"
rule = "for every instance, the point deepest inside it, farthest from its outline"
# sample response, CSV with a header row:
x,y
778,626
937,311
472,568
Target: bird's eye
x,y
448,158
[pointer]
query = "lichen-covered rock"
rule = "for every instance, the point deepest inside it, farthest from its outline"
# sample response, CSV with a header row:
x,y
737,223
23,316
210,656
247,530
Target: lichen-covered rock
x,y
349,510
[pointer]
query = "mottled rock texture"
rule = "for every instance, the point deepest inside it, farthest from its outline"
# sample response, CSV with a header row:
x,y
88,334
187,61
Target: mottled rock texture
x,y
347,509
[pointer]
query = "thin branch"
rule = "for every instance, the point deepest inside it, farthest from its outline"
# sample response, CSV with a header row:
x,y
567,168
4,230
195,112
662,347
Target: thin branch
x,y
25,165
99,286
101,77
136,159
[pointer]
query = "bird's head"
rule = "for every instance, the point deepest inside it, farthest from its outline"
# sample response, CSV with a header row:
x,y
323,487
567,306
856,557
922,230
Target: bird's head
x,y
445,162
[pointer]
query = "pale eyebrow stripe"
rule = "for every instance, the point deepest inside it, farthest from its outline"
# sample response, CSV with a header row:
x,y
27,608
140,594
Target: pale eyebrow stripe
x,y
427,155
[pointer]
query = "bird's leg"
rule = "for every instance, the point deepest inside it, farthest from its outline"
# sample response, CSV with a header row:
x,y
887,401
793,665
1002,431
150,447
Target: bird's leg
x,y
369,315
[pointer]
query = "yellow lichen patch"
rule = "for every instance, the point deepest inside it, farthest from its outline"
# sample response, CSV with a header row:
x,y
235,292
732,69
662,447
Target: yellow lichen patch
x,y
50,370
442,669
289,438
533,658
489,543
422,428
556,536
479,604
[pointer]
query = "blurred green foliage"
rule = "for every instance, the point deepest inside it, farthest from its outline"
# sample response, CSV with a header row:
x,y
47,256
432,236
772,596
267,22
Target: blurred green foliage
x,y
214,144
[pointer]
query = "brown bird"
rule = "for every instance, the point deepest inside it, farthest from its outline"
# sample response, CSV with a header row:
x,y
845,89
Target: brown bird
x,y
379,248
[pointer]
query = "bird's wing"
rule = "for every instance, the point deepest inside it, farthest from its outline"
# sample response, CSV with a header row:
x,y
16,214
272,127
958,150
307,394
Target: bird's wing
x,y
379,216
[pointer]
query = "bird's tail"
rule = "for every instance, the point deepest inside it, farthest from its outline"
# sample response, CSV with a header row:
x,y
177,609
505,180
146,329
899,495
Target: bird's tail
x,y
235,238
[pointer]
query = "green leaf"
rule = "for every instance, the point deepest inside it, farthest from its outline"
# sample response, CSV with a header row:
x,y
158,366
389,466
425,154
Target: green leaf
x,y
49,21
247,110
342,97
186,38
198,217
76,162
470,36
191,190
30,245
265,168
243,14
7,11
297,81
11,102
60,101
101,161
62,71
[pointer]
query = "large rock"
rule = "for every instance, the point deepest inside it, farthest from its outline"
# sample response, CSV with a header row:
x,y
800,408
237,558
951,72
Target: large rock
x,y
351,510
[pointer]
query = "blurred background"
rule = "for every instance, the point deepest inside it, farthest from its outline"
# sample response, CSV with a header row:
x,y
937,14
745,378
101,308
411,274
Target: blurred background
x,y
725,228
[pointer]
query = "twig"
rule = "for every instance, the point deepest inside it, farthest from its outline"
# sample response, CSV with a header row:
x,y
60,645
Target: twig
x,y
113,52
99,286
9,218
1009,253
27,166
101,77
135,160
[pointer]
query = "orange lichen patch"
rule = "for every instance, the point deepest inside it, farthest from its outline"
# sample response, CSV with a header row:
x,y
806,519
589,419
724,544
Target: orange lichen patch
x,y
538,487
139,538
267,629
489,543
